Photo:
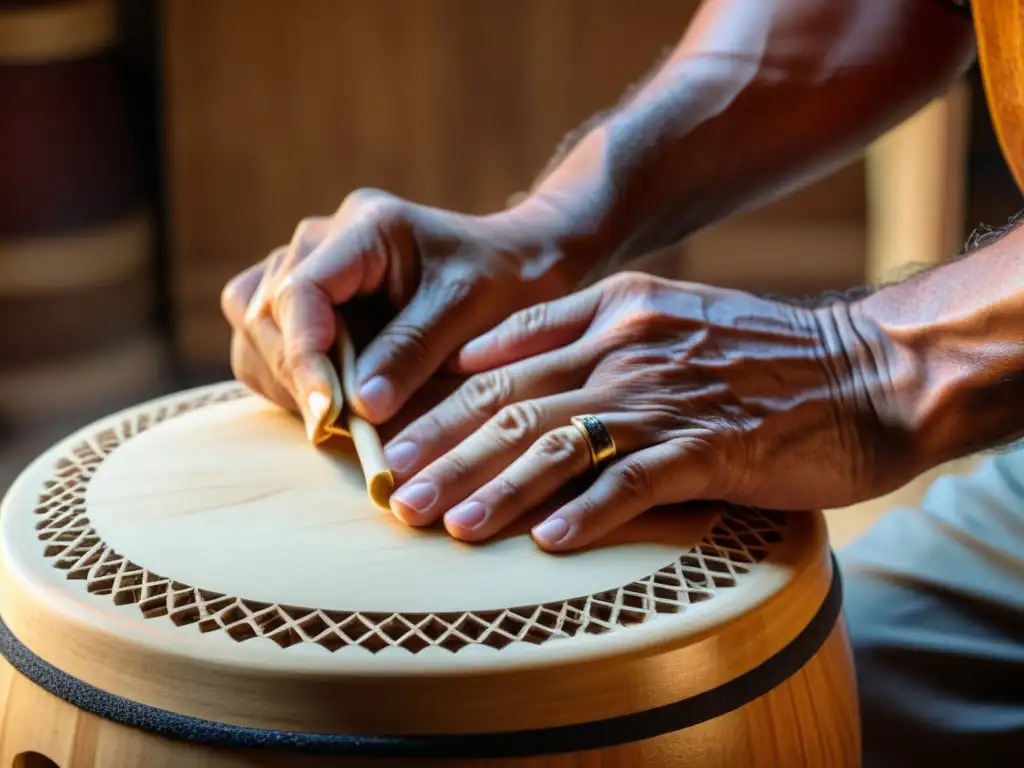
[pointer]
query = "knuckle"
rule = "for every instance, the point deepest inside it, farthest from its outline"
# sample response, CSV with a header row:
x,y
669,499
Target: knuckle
x,y
632,279
484,393
407,343
274,262
515,423
622,282
504,488
308,234
452,468
373,206
306,227
634,479
462,287
625,368
359,197
558,445
531,319
639,323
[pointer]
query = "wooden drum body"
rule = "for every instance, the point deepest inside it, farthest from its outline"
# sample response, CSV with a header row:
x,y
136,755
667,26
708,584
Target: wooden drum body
x,y
190,583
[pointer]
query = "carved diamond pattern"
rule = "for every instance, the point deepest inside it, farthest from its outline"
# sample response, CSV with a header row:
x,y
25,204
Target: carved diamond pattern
x,y
739,539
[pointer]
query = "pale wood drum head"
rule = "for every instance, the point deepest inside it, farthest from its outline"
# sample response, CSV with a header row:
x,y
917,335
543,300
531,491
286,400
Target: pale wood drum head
x,y
192,567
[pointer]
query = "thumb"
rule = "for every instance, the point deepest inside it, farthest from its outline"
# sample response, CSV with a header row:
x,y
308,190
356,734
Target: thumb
x,y
531,331
413,346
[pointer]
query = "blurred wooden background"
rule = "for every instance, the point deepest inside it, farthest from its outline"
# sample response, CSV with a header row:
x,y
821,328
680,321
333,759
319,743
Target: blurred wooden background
x,y
244,117
277,113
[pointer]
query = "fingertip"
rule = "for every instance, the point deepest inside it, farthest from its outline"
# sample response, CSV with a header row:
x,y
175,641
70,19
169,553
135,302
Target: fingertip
x,y
376,399
554,534
402,457
406,515
467,521
320,396
317,408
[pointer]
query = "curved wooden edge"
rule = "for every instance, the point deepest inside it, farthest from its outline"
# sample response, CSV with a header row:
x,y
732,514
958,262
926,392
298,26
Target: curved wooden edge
x,y
433,706
999,29
257,684
811,721
82,260
61,31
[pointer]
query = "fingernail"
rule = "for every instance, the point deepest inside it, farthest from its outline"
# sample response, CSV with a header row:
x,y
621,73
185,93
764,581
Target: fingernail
x,y
467,515
417,498
477,346
402,456
551,531
377,395
317,405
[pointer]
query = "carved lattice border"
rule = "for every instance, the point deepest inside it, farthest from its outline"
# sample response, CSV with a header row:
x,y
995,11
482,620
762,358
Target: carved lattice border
x,y
739,538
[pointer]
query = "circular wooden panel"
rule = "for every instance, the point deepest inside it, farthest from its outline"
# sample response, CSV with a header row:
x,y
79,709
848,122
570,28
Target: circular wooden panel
x,y
234,500
201,539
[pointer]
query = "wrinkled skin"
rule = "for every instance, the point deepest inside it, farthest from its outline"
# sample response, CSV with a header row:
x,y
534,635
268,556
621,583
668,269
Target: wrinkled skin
x,y
446,276
708,394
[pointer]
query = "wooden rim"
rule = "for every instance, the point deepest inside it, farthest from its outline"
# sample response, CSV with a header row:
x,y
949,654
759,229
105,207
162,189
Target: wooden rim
x,y
577,737
75,262
999,29
305,687
68,30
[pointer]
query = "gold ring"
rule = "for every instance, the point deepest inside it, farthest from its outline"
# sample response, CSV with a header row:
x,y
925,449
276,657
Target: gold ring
x,y
599,440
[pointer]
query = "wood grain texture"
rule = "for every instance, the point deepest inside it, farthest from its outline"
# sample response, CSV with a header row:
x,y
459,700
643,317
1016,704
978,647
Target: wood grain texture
x,y
197,555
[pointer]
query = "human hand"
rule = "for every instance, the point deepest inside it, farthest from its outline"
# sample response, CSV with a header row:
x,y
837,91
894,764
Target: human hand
x,y
707,393
447,277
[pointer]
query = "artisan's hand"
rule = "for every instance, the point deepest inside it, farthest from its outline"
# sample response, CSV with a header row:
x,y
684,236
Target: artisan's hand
x,y
449,276
708,394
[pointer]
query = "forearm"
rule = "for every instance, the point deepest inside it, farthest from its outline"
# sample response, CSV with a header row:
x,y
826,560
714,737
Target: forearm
x,y
761,96
954,351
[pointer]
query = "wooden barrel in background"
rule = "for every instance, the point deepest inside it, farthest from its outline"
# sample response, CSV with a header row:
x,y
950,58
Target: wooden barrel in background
x,y
77,286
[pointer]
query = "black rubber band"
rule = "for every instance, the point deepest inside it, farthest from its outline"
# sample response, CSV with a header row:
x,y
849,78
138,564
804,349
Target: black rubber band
x,y
566,738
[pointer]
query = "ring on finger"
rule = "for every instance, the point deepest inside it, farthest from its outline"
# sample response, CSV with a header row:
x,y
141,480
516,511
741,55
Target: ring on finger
x,y
599,440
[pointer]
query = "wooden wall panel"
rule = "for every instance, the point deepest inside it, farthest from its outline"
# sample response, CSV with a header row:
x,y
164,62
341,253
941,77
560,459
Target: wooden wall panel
x,y
277,111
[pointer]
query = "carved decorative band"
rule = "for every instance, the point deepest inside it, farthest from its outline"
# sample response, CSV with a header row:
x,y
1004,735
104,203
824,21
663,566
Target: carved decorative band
x,y
739,539
579,737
